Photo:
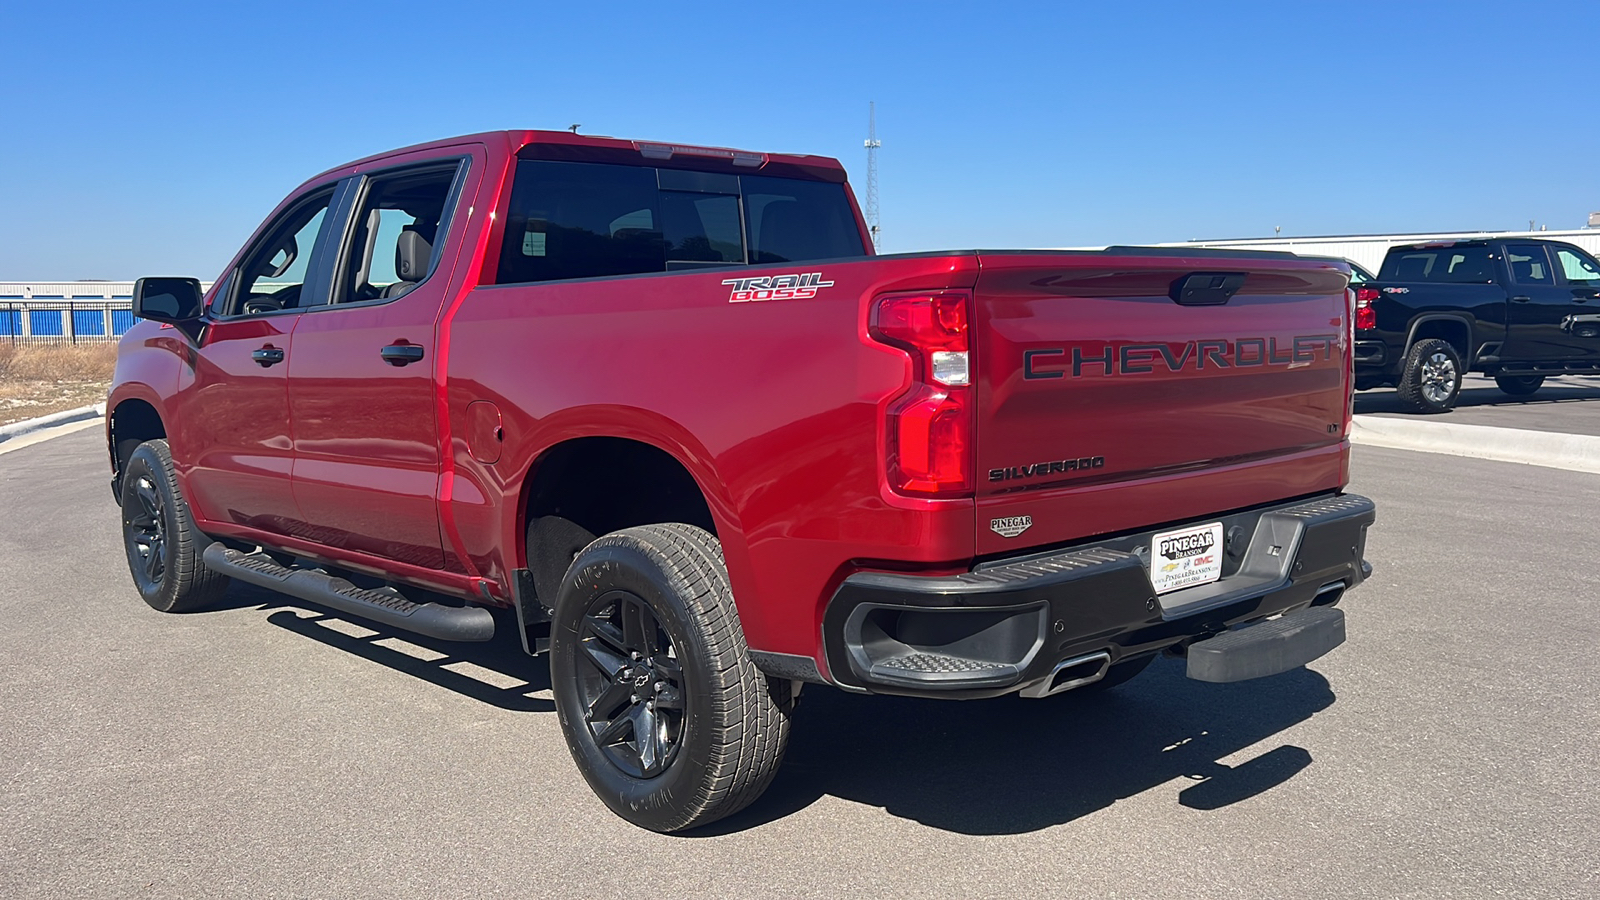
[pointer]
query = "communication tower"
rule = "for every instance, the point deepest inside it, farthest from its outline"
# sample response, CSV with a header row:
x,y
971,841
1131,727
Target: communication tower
x,y
872,145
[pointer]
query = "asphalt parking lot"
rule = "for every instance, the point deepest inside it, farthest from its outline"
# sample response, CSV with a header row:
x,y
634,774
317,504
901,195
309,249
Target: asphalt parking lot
x,y
1569,404
269,749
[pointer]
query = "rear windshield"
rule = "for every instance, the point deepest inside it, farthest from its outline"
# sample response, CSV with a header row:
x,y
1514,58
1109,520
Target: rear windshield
x,y
1455,265
585,220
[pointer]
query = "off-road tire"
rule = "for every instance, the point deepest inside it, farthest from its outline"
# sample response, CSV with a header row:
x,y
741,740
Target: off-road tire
x,y
734,722
172,578
1430,381
1519,385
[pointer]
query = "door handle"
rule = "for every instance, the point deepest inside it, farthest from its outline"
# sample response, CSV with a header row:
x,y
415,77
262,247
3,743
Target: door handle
x,y
1520,299
267,356
401,354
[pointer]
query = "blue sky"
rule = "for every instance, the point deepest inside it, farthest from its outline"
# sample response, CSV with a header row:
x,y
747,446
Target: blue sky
x,y
152,140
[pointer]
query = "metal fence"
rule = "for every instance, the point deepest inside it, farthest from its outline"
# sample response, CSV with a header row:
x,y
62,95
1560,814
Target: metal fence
x,y
45,321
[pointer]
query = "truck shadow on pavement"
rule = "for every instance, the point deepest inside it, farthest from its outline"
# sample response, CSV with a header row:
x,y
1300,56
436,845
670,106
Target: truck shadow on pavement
x,y
1479,393
989,767
495,672
1010,765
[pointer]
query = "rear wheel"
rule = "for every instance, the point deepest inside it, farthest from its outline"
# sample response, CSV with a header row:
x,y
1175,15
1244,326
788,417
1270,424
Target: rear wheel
x,y
667,718
160,538
1431,378
1519,385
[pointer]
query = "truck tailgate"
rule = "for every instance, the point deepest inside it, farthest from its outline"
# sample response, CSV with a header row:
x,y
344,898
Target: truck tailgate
x,y
1105,404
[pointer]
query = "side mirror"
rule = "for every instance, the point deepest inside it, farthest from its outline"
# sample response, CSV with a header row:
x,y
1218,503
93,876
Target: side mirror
x,y
171,300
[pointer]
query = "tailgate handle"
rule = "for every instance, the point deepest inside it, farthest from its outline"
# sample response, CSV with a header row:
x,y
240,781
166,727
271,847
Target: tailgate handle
x,y
1206,288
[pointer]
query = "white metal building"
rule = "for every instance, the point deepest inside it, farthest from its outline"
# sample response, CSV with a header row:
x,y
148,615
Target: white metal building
x,y
64,312
1368,249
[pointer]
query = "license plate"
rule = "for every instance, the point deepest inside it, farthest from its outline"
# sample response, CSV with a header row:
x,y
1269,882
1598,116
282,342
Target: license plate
x,y
1186,557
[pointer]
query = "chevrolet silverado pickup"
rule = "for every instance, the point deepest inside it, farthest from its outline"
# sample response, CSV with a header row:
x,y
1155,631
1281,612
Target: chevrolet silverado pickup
x,y
1518,309
660,409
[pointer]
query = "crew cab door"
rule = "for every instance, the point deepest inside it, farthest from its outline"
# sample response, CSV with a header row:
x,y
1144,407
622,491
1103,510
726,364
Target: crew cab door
x,y
1579,329
230,427
1538,308
361,381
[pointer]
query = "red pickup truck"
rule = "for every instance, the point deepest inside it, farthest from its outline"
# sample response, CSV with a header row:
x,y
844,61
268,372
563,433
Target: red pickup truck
x,y
663,406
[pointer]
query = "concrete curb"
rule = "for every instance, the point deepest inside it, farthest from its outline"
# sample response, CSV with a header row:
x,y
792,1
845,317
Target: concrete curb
x,y
1574,452
26,426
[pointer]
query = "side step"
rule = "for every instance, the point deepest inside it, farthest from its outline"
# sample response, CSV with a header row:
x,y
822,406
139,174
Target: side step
x,y
384,605
1269,648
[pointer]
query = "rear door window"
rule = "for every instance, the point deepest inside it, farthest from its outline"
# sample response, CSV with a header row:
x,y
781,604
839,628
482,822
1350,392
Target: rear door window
x,y
587,220
1529,264
581,220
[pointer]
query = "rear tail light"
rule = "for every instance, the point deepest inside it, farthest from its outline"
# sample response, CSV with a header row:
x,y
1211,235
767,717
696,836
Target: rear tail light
x,y
930,426
1366,316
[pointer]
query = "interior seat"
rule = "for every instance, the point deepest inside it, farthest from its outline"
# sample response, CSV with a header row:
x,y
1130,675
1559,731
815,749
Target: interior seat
x,y
412,253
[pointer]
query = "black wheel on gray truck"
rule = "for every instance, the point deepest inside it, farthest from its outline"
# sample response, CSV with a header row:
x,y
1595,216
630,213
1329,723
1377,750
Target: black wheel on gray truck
x,y
666,716
1431,378
1519,385
160,538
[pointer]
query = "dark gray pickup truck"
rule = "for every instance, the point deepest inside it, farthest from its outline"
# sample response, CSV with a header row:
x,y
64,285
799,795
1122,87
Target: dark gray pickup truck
x,y
1519,310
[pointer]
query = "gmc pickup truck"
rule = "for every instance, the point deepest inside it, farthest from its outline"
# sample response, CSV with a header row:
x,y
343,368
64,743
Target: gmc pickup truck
x,y
660,409
1519,310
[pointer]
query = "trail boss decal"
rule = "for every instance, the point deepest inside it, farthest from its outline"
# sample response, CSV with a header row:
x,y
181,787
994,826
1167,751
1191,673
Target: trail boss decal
x,y
1011,526
776,287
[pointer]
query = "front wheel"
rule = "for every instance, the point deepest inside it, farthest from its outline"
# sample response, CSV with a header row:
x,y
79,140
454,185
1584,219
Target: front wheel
x,y
160,538
667,718
1519,385
1431,378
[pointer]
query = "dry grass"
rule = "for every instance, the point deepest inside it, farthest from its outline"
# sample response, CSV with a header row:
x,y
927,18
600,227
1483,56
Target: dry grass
x,y
39,379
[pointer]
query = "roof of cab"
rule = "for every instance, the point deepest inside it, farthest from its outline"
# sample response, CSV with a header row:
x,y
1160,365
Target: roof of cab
x,y
515,141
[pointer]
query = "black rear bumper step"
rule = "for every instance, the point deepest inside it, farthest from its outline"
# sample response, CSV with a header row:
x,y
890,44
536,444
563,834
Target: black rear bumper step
x,y
1269,648
383,606
1007,624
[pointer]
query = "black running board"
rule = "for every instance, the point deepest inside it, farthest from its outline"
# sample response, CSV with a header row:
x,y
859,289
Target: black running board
x,y
384,606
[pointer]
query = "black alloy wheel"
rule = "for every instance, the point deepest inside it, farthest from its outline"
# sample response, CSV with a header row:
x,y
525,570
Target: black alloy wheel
x,y
159,535
144,523
632,685
666,715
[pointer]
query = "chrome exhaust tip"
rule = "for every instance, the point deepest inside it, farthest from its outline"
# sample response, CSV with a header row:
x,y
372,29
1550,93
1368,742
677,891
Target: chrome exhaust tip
x,y
1071,673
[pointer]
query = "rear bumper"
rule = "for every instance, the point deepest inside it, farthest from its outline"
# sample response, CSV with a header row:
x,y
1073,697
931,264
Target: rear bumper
x,y
1008,625
1371,354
